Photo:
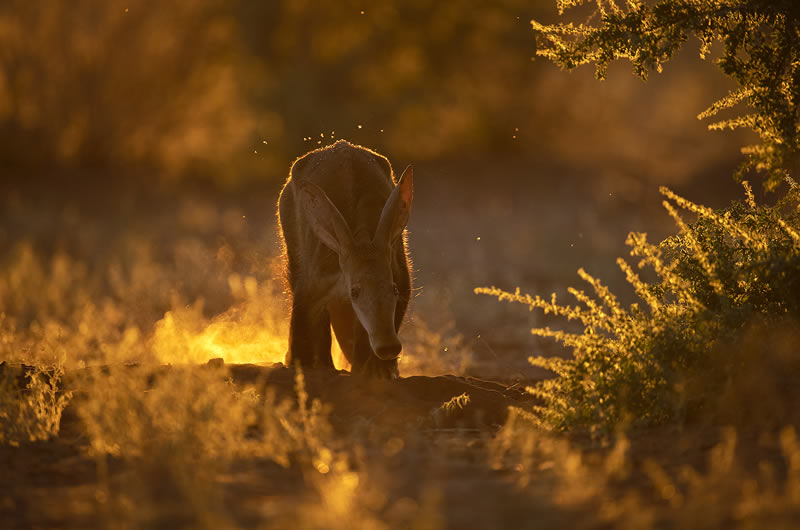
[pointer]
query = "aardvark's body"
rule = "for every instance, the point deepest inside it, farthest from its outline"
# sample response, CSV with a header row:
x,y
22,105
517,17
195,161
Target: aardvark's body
x,y
342,220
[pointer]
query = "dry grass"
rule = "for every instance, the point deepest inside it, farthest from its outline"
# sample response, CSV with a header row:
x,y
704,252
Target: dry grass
x,y
32,412
152,437
634,485
180,431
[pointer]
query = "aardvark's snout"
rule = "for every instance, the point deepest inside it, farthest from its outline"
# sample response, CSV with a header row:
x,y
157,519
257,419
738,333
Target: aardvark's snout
x,y
388,350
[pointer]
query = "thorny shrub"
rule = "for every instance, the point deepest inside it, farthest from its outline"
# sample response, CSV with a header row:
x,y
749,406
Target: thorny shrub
x,y
659,361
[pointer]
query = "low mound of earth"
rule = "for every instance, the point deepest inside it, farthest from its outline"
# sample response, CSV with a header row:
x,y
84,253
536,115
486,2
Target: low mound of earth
x,y
391,406
405,403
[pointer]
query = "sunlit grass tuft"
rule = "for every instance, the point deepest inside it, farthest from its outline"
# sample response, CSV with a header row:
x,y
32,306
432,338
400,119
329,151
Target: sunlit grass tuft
x,y
191,413
619,489
185,428
82,316
32,412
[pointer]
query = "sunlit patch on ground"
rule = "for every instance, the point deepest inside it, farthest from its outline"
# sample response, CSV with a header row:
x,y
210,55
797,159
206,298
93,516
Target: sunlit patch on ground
x,y
253,330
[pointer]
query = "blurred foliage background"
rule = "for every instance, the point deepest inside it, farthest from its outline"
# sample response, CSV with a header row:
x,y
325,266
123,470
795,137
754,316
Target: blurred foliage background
x,y
232,91
145,142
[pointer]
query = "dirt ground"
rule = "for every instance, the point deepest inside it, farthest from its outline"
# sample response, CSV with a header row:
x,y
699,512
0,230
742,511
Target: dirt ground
x,y
55,484
171,283
431,466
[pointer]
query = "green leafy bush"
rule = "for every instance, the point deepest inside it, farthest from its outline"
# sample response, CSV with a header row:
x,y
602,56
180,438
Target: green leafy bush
x,y
760,51
656,361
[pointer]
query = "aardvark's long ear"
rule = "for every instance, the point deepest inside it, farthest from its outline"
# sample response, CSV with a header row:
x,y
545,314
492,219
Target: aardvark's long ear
x,y
394,216
325,219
